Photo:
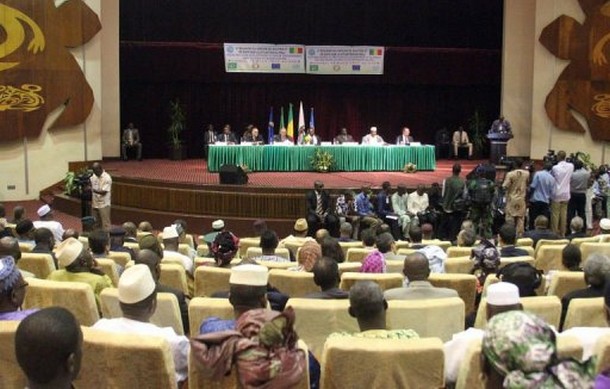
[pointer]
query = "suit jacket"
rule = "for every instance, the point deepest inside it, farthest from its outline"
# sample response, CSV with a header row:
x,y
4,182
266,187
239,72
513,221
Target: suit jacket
x,y
536,235
312,201
401,141
330,294
419,290
512,251
135,135
184,309
229,138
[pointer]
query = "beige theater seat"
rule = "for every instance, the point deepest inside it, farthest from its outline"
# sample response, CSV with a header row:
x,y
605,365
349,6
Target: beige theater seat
x,y
464,284
602,351
112,360
522,242
174,275
589,248
402,244
546,307
384,280
463,265
203,250
257,252
11,376
201,308
349,362
548,257
439,318
316,319
167,313
134,246
406,251
41,265
276,265
121,258
25,247
586,312
293,283
508,260
546,242
349,267
210,279
246,243
76,297
456,251
357,254
563,282
347,245
579,241
394,266
109,268
443,244
185,249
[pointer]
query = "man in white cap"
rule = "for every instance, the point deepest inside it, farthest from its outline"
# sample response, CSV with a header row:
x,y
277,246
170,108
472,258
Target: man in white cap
x,y
170,252
138,302
77,264
604,227
501,297
218,226
45,213
101,185
297,238
12,291
372,138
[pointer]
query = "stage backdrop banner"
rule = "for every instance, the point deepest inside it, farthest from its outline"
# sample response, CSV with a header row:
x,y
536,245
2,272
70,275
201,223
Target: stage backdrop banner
x,y
264,58
349,60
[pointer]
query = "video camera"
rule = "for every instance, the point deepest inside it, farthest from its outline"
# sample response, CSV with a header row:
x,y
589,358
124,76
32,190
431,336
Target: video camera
x,y
550,157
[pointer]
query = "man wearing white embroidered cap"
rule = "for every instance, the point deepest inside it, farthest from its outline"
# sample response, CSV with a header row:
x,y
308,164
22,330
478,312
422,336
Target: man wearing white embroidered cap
x,y
170,252
218,226
372,138
501,297
604,226
138,302
45,213
77,264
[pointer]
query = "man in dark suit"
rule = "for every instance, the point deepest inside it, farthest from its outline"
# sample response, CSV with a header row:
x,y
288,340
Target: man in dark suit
x,y
227,136
541,230
507,237
319,211
131,140
405,138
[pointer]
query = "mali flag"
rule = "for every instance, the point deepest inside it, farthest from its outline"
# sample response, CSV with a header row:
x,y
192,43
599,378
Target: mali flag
x,y
290,124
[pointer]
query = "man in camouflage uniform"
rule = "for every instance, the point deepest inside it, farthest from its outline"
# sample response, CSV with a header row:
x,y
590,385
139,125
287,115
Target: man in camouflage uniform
x,y
481,192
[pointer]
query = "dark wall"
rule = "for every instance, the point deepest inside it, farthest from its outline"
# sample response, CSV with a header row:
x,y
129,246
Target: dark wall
x,y
443,61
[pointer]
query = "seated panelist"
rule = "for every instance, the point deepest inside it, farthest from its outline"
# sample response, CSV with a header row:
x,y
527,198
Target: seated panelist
x,y
254,137
227,136
310,138
283,137
405,138
372,138
343,137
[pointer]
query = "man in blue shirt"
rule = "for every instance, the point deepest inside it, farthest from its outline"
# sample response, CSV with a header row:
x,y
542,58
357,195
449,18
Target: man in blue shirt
x,y
365,209
542,188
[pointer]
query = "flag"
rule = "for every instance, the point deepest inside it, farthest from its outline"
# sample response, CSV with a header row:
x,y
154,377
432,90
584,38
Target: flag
x,y
312,123
290,124
270,128
282,125
301,116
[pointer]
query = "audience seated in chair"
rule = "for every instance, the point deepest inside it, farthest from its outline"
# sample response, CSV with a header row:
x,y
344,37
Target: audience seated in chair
x,y
507,237
224,248
138,301
541,230
577,228
309,253
45,242
25,232
170,250
466,238
298,237
268,243
117,241
571,258
597,271
12,291
319,210
387,246
9,246
416,271
48,347
332,249
326,276
519,350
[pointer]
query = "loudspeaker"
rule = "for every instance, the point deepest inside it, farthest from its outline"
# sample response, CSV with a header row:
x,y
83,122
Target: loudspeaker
x,y
232,175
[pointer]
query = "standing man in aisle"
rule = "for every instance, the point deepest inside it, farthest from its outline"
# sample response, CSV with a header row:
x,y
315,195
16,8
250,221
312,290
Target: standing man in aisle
x,y
562,172
101,185
515,184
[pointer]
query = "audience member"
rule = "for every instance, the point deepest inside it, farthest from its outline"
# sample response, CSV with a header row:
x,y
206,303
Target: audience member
x,y
436,257
171,246
46,220
571,257
507,237
387,246
138,302
326,276
45,243
131,232
541,188
70,233
524,275
48,347
486,261
10,247
145,226
12,291
453,189
466,238
579,183
519,350
541,230
18,214
99,243
365,209
345,232
515,184
427,232
308,256
416,272
562,172
25,232
297,238
88,224
218,226
400,202
268,243
224,248
117,242
332,249
415,237
345,209
384,210
604,226
418,204
368,238
319,210
374,262
150,242
577,228
321,234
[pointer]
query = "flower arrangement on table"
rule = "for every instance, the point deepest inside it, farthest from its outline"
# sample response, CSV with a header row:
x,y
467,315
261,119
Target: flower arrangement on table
x,y
410,168
307,139
322,161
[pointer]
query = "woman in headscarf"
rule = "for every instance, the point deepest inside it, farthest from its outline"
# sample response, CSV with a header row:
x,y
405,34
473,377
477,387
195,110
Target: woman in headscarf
x,y
373,263
307,256
519,351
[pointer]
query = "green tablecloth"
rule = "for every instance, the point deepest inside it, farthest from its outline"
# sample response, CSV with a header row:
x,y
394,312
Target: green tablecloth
x,y
297,158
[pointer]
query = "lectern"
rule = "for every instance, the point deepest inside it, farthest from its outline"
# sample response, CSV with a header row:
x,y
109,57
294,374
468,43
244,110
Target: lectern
x,y
498,140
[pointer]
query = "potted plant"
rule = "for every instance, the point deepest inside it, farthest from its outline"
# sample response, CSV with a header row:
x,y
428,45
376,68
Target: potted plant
x,y
322,161
75,182
478,131
177,120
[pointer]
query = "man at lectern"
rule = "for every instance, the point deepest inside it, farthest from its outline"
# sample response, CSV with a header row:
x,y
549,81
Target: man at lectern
x,y
500,126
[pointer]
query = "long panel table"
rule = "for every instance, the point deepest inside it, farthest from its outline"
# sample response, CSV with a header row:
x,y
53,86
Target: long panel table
x,y
298,158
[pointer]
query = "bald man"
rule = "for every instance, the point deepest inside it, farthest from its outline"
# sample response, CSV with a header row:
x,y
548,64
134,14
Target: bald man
x,y
416,271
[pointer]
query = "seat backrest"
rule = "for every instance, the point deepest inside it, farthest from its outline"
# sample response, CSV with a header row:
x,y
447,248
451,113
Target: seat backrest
x,y
385,280
508,260
439,318
113,360
589,248
563,282
347,245
185,249
357,254
109,268
546,307
393,266
456,251
293,283
174,275
525,242
462,265
210,279
316,319
276,265
246,243
120,257
76,297
203,250
579,241
133,246
586,312
350,362
464,284
349,267
257,252
12,376
167,313
406,251
38,263
602,350
443,244
544,242
25,247
548,257
201,308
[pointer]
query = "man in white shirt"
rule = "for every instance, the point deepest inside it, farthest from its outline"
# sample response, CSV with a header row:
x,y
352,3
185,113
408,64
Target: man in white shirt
x,y
372,138
400,201
138,302
501,297
45,213
460,138
101,185
417,203
171,245
562,172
